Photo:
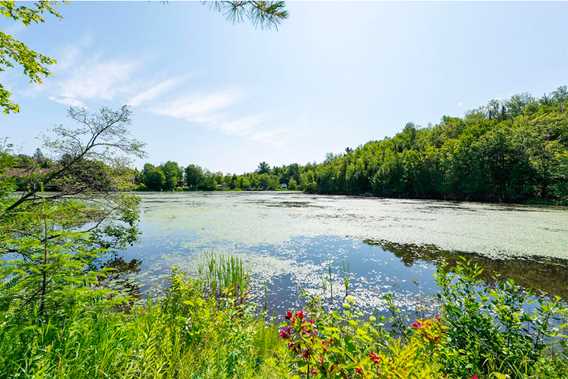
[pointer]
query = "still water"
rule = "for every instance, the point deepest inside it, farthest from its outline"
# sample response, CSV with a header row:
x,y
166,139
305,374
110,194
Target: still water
x,y
292,241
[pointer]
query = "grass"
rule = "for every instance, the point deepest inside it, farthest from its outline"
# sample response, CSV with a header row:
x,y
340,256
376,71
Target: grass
x,y
207,328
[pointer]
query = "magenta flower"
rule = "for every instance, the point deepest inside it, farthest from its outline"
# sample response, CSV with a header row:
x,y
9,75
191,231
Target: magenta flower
x,y
416,325
285,332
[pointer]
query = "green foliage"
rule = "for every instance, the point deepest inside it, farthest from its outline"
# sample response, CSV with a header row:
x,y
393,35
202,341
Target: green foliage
x,y
266,14
191,332
193,176
153,178
510,151
14,52
292,185
503,329
224,277
50,243
263,168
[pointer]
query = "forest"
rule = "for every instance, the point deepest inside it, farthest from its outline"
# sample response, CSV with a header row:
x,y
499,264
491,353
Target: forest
x,y
513,150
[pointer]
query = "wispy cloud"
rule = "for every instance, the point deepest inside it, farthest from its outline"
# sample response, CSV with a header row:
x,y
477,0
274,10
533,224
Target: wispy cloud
x,y
213,111
68,101
200,109
83,77
97,80
156,90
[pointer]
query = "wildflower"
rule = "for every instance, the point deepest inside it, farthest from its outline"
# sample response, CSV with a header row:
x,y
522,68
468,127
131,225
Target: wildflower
x,y
474,376
416,325
288,315
437,317
300,314
305,353
359,370
375,357
285,332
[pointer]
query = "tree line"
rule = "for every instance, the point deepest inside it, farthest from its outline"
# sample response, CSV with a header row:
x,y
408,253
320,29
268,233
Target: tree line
x,y
513,150
170,176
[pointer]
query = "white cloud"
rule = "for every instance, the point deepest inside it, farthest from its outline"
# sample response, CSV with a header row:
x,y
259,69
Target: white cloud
x,y
82,77
201,109
156,90
97,80
212,111
67,101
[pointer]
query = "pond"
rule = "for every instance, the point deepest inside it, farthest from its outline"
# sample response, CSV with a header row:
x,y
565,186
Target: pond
x,y
292,242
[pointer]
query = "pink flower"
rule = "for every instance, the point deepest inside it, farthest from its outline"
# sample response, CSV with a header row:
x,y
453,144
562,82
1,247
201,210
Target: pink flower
x,y
474,376
416,325
285,332
437,317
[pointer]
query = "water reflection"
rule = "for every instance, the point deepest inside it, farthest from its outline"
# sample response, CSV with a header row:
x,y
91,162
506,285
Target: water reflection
x,y
540,274
294,242
122,274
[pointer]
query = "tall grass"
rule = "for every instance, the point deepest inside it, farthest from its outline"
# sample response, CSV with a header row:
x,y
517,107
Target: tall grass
x,y
224,277
207,328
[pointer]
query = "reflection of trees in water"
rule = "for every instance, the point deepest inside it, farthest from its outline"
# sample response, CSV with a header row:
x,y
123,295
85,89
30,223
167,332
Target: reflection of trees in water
x,y
549,275
120,276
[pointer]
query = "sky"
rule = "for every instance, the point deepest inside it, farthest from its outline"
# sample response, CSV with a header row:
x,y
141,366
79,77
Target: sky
x,y
334,75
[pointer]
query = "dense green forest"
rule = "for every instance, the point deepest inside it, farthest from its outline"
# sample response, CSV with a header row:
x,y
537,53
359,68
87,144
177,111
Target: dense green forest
x,y
511,151
506,151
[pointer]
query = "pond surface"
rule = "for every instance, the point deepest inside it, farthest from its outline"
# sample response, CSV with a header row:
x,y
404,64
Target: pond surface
x,y
292,241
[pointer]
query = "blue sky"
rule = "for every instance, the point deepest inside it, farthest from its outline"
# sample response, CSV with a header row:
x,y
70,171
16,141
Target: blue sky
x,y
226,96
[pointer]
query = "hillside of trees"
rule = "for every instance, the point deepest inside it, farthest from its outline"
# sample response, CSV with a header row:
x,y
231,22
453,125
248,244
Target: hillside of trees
x,y
514,150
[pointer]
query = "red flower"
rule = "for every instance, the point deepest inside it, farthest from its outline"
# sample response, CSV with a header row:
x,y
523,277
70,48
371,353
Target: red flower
x,y
416,325
474,376
300,314
375,357
285,332
306,353
288,315
359,370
